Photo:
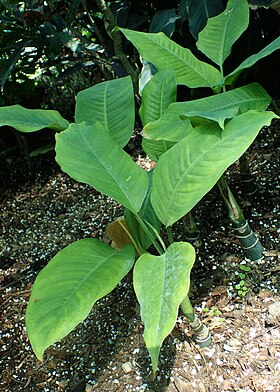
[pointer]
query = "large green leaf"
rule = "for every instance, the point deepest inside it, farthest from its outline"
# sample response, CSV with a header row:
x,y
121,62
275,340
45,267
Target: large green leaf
x,y
31,120
165,130
221,31
165,21
157,95
249,97
186,172
90,155
155,148
220,116
161,283
250,61
67,288
172,127
166,54
198,12
112,104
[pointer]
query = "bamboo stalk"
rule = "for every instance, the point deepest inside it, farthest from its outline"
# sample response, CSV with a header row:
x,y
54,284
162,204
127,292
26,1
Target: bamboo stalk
x,y
249,241
201,333
192,233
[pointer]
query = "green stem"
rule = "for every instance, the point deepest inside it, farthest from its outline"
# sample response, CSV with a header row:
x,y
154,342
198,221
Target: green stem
x,y
201,333
249,241
235,213
147,231
248,182
187,309
169,235
191,228
160,240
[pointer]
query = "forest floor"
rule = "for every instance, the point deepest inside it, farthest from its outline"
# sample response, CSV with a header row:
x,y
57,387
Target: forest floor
x,y
43,210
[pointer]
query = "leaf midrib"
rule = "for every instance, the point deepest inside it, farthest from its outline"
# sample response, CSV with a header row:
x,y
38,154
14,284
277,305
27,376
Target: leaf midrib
x,y
64,302
98,158
183,61
174,188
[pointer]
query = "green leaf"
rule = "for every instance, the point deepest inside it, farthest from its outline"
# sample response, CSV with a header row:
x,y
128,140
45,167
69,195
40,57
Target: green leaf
x,y
42,150
186,172
157,95
250,61
198,12
112,104
171,126
31,120
89,154
167,130
163,53
221,31
6,65
155,148
147,72
161,283
67,288
165,21
200,116
244,267
249,97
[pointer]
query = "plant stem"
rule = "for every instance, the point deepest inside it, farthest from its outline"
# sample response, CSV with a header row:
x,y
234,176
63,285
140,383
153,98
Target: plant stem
x,y
117,40
191,228
160,240
169,235
147,231
249,241
201,333
248,181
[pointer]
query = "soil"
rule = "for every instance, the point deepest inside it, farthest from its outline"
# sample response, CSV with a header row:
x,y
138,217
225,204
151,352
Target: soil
x,y
43,210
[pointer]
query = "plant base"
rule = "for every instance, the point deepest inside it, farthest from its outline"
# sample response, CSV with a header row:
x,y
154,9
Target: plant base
x,y
201,333
249,241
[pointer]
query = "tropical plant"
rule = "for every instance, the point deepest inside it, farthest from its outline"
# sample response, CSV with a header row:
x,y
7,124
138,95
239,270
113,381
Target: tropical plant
x,y
193,143
91,151
163,53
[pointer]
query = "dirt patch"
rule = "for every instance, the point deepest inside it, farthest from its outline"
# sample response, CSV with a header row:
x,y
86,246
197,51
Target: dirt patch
x,y
43,210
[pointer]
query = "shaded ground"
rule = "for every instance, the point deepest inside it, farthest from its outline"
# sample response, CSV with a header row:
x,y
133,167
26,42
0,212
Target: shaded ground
x,y
42,210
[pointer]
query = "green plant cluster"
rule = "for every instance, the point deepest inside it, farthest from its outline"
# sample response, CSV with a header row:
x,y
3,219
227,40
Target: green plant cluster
x,y
241,287
193,143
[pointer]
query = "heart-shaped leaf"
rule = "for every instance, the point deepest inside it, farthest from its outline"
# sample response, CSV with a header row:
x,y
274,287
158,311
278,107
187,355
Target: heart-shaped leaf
x,y
161,283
